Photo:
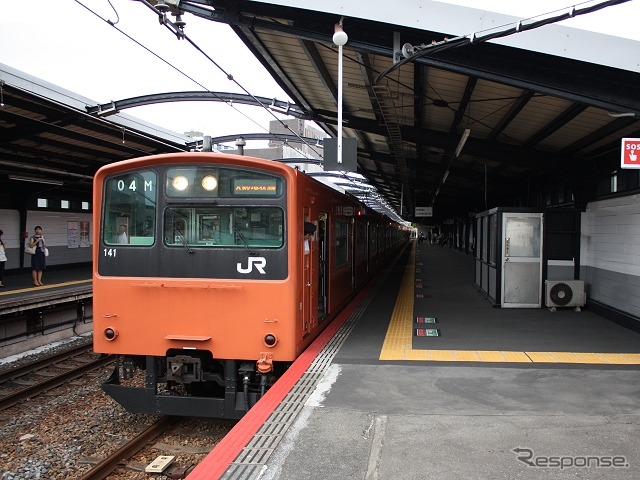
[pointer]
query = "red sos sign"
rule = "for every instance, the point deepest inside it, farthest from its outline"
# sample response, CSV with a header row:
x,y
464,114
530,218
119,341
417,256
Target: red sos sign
x,y
630,153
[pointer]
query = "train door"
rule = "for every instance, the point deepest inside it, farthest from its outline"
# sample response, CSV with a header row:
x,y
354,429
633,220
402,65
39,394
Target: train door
x,y
307,275
323,280
367,252
353,254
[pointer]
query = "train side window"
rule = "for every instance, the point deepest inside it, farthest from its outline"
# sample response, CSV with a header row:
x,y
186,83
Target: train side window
x,y
342,243
361,243
373,247
130,206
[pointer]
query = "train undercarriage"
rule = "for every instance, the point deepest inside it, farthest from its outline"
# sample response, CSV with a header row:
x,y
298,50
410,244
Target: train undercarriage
x,y
192,384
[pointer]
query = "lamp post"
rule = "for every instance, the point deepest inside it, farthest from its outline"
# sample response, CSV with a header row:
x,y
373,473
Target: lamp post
x,y
340,38
240,143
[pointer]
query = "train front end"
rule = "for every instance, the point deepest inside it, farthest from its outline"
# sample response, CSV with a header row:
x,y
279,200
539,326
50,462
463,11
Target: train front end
x,y
191,282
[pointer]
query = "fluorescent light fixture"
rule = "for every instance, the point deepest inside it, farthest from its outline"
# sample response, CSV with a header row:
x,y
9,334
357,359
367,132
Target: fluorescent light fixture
x,y
621,114
444,178
463,140
48,181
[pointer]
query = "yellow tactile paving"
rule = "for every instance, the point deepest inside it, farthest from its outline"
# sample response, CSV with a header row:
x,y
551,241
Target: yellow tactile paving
x,y
398,344
45,287
579,357
515,357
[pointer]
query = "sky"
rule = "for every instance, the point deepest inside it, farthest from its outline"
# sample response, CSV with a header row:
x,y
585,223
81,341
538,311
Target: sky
x,y
64,43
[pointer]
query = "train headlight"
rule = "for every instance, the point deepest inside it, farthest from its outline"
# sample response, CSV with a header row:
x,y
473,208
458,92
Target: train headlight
x,y
110,333
270,339
209,183
180,183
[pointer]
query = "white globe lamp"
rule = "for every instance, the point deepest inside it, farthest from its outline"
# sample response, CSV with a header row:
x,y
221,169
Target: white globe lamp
x,y
340,38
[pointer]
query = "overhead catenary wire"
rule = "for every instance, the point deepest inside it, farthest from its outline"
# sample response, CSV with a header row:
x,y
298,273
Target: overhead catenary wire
x,y
181,72
477,37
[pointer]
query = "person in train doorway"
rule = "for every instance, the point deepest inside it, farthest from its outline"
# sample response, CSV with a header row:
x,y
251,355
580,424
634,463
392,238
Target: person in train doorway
x,y
122,234
3,258
309,230
38,259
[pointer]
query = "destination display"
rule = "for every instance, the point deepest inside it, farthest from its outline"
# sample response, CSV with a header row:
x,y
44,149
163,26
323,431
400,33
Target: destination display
x,y
255,187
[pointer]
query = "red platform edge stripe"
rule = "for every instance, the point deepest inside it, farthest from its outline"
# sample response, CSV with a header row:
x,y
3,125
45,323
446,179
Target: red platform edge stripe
x,y
223,454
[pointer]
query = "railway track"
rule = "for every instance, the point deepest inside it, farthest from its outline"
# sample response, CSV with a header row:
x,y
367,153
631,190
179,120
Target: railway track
x,y
41,368
76,431
19,371
128,450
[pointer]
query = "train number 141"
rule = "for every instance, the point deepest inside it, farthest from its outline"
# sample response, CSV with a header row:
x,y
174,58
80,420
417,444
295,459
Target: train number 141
x,y
110,252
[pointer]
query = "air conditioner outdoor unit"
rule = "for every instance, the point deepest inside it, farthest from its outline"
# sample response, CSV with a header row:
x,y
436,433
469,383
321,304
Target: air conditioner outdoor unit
x,y
565,293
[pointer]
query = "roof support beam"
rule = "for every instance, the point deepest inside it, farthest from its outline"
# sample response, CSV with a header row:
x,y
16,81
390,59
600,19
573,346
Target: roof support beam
x,y
464,103
258,49
319,66
513,112
603,132
565,117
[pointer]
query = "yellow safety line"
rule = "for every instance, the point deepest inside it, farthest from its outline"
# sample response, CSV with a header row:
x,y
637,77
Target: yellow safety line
x,y
44,287
398,341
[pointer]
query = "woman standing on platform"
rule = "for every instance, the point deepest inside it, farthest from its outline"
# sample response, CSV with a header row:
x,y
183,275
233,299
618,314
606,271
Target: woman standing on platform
x,y
3,258
38,259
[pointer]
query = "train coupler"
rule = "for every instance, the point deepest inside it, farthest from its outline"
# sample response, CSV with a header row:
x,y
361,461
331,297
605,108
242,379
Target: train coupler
x,y
184,369
265,363
128,368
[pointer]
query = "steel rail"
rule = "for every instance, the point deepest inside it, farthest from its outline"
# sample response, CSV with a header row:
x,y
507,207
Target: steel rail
x,y
33,390
104,468
45,362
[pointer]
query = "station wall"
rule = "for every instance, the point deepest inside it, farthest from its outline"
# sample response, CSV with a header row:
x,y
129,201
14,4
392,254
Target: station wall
x,y
67,234
610,253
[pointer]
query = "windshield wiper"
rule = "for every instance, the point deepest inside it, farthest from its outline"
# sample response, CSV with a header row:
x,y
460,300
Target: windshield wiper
x,y
184,243
244,240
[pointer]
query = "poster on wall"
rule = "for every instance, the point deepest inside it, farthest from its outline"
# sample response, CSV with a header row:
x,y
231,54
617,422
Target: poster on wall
x,y
85,240
72,235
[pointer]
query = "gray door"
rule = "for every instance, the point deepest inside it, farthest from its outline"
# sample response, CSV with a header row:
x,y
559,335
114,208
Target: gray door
x,y
522,260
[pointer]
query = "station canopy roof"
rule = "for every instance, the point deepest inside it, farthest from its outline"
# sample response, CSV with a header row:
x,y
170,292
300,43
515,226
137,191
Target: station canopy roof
x,y
451,107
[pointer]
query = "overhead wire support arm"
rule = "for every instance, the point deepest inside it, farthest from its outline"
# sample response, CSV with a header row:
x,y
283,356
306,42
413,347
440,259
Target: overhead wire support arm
x,y
114,107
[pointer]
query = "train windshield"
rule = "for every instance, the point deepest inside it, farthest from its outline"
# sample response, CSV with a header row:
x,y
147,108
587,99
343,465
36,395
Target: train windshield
x,y
130,209
231,226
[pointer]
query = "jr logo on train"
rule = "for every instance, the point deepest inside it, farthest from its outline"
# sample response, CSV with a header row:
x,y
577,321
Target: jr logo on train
x,y
258,262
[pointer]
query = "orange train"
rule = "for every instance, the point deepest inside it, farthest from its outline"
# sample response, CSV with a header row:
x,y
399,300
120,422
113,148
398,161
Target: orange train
x,y
213,272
